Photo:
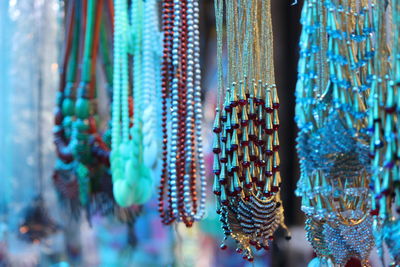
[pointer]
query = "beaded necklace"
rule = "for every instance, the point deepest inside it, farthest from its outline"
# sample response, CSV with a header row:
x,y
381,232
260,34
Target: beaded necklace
x,y
134,138
151,83
334,82
64,108
82,169
384,130
65,176
246,159
183,161
84,124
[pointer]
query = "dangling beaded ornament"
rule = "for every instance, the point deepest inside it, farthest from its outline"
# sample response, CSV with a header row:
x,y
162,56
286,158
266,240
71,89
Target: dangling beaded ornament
x,y
334,81
246,159
75,118
82,169
134,140
63,176
384,129
183,163
85,123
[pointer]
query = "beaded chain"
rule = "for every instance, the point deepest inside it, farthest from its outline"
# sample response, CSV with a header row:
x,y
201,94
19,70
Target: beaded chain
x,y
134,137
334,81
183,162
384,129
151,83
246,159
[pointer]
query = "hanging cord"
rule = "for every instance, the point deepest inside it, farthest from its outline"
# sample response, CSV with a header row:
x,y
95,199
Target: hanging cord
x,y
69,36
247,32
81,24
270,55
105,51
95,48
219,7
73,52
88,43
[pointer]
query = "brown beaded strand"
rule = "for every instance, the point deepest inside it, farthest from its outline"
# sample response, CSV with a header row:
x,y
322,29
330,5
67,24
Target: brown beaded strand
x,y
182,114
166,80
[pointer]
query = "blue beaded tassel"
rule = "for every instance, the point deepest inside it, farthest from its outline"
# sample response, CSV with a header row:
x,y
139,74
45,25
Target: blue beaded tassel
x,y
384,130
334,81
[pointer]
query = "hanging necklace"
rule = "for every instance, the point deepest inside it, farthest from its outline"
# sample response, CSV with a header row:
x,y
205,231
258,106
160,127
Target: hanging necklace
x,y
82,169
64,175
134,140
335,70
151,83
246,159
183,163
384,126
90,153
84,124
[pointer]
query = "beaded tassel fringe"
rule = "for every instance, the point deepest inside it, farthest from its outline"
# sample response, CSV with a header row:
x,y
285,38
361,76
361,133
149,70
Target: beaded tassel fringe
x,y
384,128
246,159
335,70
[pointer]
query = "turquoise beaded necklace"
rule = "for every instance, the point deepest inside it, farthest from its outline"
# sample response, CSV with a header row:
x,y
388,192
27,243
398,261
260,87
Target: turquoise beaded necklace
x,y
83,106
384,129
83,152
151,83
131,170
333,87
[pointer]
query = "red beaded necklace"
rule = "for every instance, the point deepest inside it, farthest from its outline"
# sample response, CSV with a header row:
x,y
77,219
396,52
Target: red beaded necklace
x,y
180,167
167,21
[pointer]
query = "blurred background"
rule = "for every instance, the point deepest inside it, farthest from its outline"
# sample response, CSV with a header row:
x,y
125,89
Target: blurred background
x,y
30,41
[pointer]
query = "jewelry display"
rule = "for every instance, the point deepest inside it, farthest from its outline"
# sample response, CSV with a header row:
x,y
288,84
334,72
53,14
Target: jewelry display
x,y
183,172
335,75
128,120
246,158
